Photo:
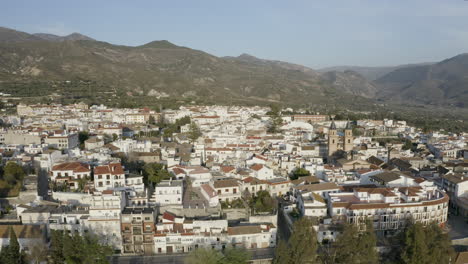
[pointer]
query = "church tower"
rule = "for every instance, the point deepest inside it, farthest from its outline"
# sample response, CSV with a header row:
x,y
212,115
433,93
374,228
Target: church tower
x,y
348,138
332,139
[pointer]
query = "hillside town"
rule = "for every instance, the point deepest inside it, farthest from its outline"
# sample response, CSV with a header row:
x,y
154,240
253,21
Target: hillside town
x,y
166,181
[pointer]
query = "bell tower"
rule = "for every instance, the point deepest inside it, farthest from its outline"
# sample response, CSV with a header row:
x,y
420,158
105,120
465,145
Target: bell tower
x,y
348,138
332,139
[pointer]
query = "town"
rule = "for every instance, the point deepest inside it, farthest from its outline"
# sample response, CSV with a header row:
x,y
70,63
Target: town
x,y
165,182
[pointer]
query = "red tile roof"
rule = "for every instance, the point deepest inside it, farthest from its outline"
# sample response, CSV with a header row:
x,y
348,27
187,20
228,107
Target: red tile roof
x,y
168,216
256,167
73,166
113,169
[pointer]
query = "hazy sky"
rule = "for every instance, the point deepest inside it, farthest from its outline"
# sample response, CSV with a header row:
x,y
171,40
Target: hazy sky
x,y
309,32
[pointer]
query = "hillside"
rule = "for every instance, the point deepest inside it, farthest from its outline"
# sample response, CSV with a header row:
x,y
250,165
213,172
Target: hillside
x,y
156,70
442,83
45,67
71,37
370,73
351,82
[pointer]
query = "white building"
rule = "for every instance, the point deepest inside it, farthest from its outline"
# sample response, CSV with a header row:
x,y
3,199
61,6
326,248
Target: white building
x,y
168,192
109,176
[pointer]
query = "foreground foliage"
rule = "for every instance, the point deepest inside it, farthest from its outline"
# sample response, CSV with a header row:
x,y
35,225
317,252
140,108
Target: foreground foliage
x,y
301,247
74,249
229,255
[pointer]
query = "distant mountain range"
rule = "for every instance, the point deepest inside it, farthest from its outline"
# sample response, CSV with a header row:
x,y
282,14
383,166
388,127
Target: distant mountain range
x,y
370,73
161,69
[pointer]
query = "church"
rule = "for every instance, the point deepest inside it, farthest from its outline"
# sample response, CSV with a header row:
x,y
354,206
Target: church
x,y
337,142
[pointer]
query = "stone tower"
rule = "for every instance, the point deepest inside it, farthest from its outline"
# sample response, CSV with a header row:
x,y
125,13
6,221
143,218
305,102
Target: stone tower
x,y
332,139
348,138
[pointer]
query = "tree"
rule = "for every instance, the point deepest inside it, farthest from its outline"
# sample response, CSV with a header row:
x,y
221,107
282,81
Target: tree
x,y
194,132
56,247
155,173
235,256
420,244
353,246
408,145
13,173
302,245
230,255
73,249
204,256
282,255
12,254
263,202
38,253
299,172
115,137
82,137
151,120
303,242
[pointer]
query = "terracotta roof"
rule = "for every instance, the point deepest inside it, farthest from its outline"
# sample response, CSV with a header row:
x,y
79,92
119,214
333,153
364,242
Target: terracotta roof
x,y
256,167
318,187
210,191
226,183
244,230
113,169
73,166
227,169
168,216
386,176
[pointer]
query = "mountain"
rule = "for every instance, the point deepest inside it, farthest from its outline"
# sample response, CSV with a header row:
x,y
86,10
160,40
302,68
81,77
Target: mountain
x,y
45,67
11,36
71,37
370,73
271,63
351,82
157,70
442,83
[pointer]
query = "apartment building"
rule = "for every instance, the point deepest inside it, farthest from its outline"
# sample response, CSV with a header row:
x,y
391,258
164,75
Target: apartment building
x,y
138,228
227,189
179,235
109,176
62,140
168,192
70,173
390,209
104,217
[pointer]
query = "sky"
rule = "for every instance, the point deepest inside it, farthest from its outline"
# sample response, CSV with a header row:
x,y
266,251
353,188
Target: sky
x,y
314,33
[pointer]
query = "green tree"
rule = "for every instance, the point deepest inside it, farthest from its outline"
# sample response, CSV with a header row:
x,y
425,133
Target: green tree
x,y
194,132
151,120
56,247
353,246
82,137
282,255
302,245
74,249
115,137
204,256
12,254
408,145
13,173
155,173
415,250
299,172
262,202
420,244
235,256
